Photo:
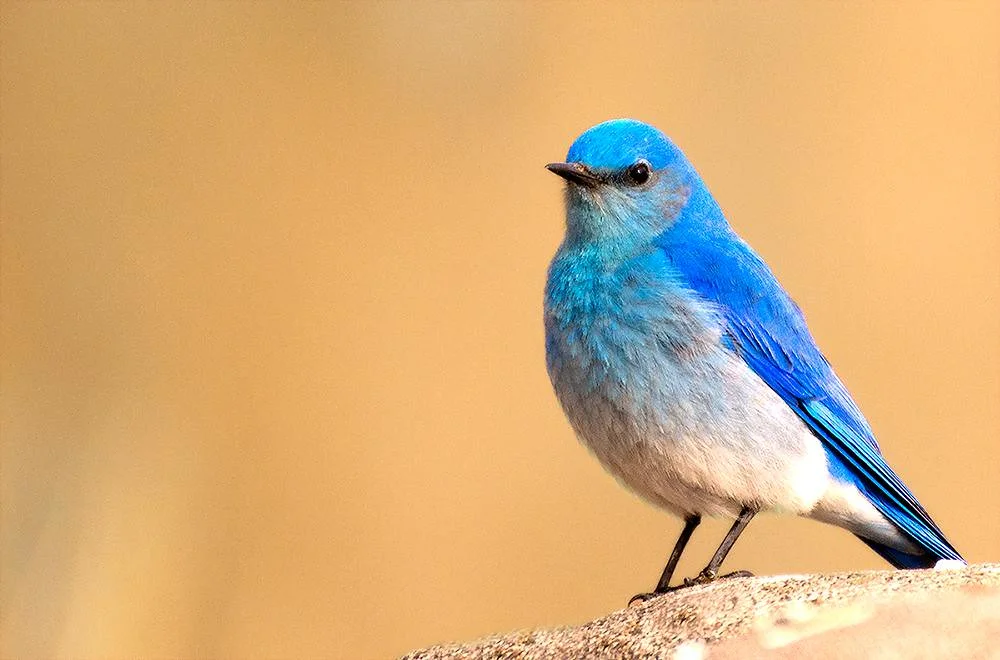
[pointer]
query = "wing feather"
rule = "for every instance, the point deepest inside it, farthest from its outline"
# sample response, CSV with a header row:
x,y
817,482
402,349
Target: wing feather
x,y
767,329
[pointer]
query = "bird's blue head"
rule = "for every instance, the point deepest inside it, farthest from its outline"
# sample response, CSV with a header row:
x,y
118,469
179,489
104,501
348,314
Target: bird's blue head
x,y
626,183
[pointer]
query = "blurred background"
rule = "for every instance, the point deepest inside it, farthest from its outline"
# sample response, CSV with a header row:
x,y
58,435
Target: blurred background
x,y
272,359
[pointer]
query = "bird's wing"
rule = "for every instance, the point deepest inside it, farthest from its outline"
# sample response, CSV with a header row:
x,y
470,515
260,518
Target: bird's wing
x,y
767,329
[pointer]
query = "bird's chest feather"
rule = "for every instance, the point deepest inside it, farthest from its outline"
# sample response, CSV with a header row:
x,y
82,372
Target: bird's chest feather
x,y
639,366
627,345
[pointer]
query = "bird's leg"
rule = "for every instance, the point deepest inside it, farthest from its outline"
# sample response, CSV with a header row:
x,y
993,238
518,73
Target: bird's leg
x,y
675,556
663,586
711,572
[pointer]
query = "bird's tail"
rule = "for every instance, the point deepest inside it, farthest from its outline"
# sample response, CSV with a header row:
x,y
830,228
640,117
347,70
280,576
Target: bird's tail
x,y
887,493
900,559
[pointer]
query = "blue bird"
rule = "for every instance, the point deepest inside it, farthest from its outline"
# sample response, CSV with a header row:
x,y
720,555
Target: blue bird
x,y
687,370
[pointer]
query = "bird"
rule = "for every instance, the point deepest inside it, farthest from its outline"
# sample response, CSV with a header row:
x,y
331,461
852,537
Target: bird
x,y
683,365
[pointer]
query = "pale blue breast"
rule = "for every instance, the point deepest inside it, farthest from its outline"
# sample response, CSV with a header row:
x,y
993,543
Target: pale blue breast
x,y
608,322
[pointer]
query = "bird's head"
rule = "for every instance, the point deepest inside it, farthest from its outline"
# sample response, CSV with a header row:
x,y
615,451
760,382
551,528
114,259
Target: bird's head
x,y
626,183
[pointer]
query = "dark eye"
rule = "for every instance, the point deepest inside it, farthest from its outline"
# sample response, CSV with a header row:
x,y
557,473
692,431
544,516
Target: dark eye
x,y
638,173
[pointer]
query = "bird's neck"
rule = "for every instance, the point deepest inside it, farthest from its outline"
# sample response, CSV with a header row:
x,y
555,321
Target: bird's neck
x,y
595,257
603,237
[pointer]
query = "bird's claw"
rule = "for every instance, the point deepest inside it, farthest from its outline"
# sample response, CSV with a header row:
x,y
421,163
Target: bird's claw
x,y
707,576
642,598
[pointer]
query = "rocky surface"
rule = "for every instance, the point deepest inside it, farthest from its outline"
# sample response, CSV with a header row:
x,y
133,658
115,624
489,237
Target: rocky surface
x,y
884,614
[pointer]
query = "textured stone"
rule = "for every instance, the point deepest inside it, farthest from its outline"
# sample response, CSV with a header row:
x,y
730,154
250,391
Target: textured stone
x,y
921,613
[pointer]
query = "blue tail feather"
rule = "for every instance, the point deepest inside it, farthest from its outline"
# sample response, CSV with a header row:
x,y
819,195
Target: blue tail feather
x,y
900,559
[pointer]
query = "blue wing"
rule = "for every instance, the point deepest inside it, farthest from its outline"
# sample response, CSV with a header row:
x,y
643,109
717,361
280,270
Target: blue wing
x,y
767,329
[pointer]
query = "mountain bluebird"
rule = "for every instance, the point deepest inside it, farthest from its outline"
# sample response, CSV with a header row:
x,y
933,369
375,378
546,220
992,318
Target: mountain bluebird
x,y
687,370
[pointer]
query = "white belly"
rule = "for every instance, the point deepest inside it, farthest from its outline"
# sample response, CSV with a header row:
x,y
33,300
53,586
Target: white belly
x,y
703,436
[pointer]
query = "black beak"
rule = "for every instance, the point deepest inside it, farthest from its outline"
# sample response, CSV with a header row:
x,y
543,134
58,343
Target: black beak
x,y
574,173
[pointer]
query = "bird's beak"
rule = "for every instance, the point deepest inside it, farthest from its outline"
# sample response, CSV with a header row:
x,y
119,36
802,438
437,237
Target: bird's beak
x,y
574,173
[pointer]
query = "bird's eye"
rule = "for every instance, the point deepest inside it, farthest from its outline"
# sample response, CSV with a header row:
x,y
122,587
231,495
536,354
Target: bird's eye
x,y
638,173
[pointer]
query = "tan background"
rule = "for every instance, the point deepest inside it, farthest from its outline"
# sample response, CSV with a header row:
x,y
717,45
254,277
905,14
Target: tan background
x,y
273,380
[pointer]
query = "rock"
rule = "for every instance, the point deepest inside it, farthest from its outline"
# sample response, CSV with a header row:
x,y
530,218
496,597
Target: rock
x,y
884,614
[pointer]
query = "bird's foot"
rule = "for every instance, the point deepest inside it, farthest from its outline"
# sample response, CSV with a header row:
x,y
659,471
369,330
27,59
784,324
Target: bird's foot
x,y
707,576
642,598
